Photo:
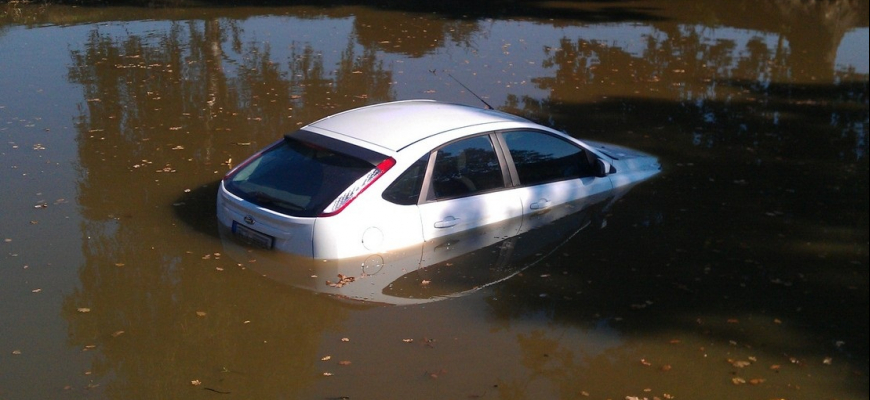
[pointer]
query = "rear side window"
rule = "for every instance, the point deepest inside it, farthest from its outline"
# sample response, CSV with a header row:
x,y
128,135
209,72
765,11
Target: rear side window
x,y
540,158
405,190
466,167
297,178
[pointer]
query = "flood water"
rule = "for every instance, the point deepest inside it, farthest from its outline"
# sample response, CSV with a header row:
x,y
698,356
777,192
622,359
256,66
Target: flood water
x,y
739,272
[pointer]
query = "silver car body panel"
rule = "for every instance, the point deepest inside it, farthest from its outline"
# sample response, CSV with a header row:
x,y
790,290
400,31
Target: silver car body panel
x,y
398,124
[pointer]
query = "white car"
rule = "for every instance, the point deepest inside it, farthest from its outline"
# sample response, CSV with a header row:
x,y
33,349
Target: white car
x,y
390,176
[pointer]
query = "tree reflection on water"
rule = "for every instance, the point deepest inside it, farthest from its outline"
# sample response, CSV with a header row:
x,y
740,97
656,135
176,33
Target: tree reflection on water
x,y
761,210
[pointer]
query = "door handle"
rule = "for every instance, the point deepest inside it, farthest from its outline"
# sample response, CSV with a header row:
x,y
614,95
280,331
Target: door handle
x,y
447,222
540,204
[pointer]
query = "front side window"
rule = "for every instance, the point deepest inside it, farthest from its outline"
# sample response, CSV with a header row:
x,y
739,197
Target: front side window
x,y
540,158
297,178
466,167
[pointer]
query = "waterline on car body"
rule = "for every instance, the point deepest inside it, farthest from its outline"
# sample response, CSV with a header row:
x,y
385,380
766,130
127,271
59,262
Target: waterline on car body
x,y
451,266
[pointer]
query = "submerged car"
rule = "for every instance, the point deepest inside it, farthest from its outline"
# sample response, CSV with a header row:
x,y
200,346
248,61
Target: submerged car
x,y
390,176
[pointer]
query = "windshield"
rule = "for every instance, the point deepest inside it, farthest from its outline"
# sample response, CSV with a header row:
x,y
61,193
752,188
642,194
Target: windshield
x,y
296,177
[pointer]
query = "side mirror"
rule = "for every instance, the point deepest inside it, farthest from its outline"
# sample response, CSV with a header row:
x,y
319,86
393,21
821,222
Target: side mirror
x,y
602,168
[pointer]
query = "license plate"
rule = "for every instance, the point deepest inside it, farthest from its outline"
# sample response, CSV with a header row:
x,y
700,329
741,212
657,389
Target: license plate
x,y
252,237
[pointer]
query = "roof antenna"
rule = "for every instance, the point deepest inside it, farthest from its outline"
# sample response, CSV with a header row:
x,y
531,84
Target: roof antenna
x,y
488,107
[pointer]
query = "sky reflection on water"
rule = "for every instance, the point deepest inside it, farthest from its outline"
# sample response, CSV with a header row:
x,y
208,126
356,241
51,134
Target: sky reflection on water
x,y
751,247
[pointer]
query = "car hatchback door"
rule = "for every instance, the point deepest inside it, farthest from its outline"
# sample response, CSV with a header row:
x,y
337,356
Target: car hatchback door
x,y
466,189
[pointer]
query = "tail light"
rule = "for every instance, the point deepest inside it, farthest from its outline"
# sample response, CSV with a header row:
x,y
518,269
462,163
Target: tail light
x,y
353,191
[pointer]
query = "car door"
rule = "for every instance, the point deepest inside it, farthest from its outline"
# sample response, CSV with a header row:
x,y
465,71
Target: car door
x,y
554,177
466,189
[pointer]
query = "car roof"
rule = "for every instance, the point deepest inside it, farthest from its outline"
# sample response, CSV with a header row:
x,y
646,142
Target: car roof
x,y
395,125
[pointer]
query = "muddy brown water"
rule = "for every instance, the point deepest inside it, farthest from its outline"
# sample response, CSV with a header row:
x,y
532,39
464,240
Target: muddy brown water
x,y
740,272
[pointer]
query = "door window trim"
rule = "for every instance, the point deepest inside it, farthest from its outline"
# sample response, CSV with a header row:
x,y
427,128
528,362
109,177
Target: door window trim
x,y
514,175
428,191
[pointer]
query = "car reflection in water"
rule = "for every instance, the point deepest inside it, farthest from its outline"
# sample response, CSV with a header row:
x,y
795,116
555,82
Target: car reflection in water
x,y
446,267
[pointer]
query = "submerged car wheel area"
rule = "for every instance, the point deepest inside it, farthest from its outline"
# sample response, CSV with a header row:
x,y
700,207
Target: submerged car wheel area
x,y
390,176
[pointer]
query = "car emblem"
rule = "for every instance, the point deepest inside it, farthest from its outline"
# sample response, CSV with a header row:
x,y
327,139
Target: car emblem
x,y
249,220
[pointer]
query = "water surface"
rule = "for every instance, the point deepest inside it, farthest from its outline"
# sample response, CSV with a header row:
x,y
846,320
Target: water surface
x,y
739,272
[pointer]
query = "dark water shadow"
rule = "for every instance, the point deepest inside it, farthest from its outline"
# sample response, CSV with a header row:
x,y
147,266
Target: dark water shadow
x,y
600,11
792,12
762,216
198,208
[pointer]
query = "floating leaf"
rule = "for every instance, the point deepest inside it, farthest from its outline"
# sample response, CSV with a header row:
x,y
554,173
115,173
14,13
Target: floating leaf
x,y
84,310
342,280
436,374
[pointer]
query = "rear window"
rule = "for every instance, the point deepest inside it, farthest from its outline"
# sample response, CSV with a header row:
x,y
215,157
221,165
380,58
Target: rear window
x,y
301,175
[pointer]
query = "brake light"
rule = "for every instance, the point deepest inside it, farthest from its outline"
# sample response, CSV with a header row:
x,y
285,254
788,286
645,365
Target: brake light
x,y
353,191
